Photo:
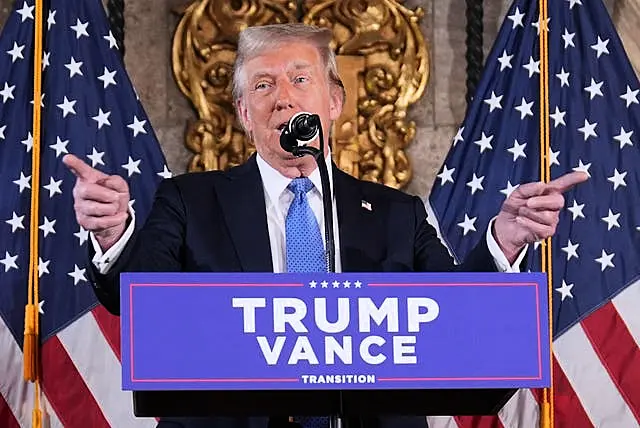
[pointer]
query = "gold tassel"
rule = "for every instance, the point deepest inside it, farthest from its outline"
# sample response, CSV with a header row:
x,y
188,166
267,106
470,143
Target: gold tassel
x,y
30,343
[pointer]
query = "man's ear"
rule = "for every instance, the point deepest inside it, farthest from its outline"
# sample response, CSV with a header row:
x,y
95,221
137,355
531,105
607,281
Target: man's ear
x,y
243,114
335,106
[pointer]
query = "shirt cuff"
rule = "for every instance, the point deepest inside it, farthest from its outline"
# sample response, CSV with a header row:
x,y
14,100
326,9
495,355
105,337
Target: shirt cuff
x,y
104,261
498,256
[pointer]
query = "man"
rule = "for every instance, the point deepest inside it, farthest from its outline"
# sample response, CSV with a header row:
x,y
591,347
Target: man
x,y
256,216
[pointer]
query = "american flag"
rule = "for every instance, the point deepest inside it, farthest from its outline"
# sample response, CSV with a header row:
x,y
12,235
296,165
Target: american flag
x,y
594,127
90,109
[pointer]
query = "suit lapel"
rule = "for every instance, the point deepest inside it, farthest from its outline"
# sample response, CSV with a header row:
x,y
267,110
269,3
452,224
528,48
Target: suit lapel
x,y
242,201
360,226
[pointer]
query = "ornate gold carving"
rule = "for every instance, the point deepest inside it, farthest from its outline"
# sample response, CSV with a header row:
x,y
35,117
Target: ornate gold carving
x,y
382,58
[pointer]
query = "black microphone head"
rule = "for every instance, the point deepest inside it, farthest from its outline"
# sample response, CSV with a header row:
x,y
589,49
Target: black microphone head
x,y
304,127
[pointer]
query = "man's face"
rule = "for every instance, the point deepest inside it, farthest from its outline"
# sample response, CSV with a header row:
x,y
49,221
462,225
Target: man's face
x,y
278,84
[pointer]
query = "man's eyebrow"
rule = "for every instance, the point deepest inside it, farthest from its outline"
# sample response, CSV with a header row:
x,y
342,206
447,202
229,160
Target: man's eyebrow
x,y
297,65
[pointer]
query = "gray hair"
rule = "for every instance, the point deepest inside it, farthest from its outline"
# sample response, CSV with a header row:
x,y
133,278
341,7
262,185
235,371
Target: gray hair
x,y
254,40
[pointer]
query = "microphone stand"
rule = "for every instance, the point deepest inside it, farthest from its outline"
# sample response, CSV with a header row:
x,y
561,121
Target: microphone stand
x,y
335,421
327,200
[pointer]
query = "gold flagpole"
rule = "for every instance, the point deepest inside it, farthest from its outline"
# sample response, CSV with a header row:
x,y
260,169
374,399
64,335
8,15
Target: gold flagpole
x,y
547,408
31,319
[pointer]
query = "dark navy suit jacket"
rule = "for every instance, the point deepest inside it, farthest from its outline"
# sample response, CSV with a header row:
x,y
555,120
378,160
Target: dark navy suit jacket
x,y
216,222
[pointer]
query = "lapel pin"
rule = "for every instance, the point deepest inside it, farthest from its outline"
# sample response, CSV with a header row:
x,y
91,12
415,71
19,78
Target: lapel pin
x,y
366,205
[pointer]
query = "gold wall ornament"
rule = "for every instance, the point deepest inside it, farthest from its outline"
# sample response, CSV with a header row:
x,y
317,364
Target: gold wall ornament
x,y
382,58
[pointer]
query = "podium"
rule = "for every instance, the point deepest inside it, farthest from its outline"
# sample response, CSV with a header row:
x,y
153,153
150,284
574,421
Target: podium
x,y
347,345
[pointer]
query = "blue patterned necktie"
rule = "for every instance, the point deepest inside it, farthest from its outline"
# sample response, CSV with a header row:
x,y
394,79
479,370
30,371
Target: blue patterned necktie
x,y
305,249
305,252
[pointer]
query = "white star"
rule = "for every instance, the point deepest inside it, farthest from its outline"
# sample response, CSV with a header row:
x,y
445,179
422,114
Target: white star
x,y
60,146
558,117
132,166
96,157
102,118
618,179
28,142
74,67
475,183
494,102
631,97
107,77
16,52
568,39
165,172
525,108
77,274
336,284
594,88
43,266
583,167
15,222
468,224
51,19
484,142
516,18
533,66
624,138
571,250
53,187
41,100
505,60
576,210
23,182
358,284
45,60
554,157
313,284
601,46
324,284
67,106
605,260
589,129
9,261
458,136
80,28
137,126
509,189
2,129
41,307
537,25
517,150
565,290
111,40
612,220
446,175
82,235
347,284
564,77
26,12
47,227
574,2
7,92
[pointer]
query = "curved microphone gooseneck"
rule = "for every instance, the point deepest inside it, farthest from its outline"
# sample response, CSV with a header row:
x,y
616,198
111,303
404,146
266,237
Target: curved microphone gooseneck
x,y
300,131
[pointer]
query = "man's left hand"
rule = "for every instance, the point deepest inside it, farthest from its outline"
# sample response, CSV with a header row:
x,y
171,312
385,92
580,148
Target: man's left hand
x,y
531,213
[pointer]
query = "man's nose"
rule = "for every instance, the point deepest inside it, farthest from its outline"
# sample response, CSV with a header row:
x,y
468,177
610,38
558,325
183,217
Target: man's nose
x,y
283,97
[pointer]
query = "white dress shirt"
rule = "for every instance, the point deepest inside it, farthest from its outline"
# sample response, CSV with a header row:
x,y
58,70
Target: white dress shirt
x,y
277,201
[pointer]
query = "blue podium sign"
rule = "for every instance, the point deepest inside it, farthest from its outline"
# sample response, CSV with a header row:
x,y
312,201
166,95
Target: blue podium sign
x,y
246,331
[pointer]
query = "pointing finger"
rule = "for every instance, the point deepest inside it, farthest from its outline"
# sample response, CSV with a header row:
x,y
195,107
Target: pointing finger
x,y
566,182
115,182
81,169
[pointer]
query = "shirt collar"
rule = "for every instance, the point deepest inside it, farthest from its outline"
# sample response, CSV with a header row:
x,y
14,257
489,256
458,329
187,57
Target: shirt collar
x,y
275,183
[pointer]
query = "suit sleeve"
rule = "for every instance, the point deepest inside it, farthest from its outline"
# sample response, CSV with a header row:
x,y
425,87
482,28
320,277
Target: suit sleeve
x,y
156,247
431,255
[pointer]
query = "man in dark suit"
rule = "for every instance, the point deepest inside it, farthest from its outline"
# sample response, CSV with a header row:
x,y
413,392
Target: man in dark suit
x,y
252,217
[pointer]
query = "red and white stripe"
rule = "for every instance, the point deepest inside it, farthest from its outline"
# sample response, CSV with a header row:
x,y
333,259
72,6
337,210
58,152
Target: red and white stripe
x,y
596,375
81,375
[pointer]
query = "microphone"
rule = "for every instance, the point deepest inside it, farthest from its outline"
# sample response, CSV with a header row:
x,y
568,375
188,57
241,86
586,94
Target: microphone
x,y
302,129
